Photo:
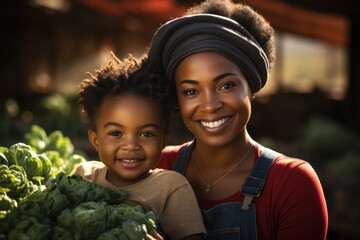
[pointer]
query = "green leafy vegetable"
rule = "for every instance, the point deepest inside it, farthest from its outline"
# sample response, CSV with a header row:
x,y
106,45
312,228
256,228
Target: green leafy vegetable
x,y
46,166
36,138
18,153
37,168
3,159
14,182
58,149
6,203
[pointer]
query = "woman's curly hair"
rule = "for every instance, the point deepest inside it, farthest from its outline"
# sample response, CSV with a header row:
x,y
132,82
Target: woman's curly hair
x,y
130,75
253,22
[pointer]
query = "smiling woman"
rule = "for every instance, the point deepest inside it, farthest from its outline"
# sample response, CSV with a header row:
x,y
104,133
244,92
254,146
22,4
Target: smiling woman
x,y
216,57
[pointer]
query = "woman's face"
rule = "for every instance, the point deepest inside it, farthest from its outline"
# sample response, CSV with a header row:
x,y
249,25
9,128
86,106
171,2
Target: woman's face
x,y
214,98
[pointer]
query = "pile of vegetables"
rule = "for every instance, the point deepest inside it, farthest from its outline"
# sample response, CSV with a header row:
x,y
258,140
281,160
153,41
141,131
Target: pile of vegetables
x,y
40,200
73,208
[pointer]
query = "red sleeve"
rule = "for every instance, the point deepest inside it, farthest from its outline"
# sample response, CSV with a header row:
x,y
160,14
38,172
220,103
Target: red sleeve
x,y
168,157
298,202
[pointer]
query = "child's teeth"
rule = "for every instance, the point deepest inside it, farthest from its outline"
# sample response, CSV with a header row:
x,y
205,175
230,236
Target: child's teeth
x,y
129,160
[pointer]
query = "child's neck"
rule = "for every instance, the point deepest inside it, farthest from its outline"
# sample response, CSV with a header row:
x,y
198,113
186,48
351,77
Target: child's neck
x,y
118,181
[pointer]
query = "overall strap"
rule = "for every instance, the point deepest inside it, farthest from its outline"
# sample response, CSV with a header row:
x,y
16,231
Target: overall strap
x,y
182,158
255,182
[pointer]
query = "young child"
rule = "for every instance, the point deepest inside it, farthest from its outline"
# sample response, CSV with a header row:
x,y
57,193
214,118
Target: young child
x,y
127,107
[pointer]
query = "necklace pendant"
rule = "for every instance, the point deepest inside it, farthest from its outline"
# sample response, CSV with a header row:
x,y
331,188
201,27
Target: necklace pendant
x,y
208,186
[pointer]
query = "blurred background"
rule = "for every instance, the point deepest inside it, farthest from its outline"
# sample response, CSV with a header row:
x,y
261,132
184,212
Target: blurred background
x,y
309,109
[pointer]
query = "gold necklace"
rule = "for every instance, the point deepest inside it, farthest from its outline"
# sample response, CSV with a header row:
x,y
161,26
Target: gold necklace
x,y
209,186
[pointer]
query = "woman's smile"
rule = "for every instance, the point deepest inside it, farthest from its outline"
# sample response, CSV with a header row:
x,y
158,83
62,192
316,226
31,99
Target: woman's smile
x,y
214,124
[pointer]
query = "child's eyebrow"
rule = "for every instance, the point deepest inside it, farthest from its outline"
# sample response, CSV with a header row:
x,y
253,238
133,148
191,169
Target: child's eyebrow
x,y
112,124
151,125
120,125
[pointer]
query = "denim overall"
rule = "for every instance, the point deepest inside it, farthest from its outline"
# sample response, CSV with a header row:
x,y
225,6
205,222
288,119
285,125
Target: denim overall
x,y
230,221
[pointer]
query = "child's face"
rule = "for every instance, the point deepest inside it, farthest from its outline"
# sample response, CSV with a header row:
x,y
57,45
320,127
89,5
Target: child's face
x,y
130,135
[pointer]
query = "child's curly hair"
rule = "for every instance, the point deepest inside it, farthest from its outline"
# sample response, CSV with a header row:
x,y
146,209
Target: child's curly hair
x,y
131,75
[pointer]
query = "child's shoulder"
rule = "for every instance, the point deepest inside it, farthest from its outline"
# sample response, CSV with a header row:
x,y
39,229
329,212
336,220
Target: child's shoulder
x,y
88,168
170,176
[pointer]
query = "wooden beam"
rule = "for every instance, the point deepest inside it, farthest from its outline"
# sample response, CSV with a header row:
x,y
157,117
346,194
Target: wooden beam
x,y
156,10
306,22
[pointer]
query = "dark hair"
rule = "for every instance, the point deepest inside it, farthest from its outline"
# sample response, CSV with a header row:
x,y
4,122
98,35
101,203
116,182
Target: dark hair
x,y
253,22
131,75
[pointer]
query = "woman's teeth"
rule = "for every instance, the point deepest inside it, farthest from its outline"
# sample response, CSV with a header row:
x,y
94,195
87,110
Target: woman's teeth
x,y
214,124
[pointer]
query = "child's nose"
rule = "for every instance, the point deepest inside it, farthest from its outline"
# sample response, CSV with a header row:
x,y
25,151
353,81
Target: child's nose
x,y
130,143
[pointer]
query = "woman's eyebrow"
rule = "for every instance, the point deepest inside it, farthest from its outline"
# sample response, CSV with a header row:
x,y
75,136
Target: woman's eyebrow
x,y
223,75
188,81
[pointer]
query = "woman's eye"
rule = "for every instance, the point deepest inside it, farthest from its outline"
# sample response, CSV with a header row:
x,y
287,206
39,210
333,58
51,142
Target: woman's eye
x,y
147,134
227,86
190,92
115,133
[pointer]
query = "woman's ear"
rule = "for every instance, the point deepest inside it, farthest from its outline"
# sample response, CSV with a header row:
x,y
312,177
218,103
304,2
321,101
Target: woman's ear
x,y
93,139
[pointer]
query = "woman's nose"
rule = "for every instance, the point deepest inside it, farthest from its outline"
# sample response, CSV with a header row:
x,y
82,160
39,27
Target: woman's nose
x,y
210,102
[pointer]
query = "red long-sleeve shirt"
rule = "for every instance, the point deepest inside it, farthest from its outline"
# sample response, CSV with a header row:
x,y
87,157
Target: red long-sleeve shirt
x,y
291,206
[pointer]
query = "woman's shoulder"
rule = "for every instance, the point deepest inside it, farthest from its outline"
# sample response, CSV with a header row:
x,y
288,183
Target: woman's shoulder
x,y
173,149
293,198
281,163
287,162
290,164
169,155
294,171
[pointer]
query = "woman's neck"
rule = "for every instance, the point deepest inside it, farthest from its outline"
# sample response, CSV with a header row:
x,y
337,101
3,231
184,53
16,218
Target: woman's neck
x,y
222,156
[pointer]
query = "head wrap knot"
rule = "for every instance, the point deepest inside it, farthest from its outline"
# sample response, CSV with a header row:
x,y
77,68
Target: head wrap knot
x,y
181,37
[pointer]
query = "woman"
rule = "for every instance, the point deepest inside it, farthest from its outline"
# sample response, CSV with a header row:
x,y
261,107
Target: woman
x,y
217,57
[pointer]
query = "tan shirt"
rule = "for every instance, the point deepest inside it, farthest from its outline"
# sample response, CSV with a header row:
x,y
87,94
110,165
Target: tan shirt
x,y
168,193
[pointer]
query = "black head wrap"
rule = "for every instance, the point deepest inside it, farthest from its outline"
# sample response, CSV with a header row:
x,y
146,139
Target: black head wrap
x,y
181,37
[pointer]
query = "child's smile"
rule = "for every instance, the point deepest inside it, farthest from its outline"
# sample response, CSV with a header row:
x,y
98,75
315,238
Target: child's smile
x,y
129,162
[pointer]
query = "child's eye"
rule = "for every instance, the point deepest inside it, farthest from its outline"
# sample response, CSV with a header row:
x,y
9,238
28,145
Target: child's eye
x,y
190,92
115,133
227,86
147,134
